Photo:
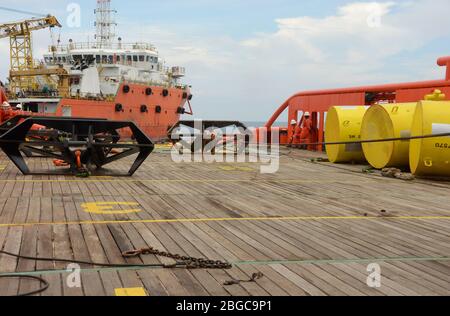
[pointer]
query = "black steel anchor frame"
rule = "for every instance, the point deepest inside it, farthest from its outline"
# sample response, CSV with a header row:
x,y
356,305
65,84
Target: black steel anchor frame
x,y
62,138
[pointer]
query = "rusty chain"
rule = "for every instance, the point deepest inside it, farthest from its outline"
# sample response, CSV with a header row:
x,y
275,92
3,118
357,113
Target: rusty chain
x,y
186,261
254,278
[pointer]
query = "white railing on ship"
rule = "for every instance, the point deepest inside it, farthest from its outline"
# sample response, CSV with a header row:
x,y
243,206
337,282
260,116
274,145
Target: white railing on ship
x,y
115,46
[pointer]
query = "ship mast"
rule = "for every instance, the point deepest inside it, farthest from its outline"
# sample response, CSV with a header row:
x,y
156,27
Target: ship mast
x,y
105,23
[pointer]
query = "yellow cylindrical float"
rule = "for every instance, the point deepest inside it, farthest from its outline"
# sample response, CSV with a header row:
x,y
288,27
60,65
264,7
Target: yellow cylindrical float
x,y
344,124
431,156
383,122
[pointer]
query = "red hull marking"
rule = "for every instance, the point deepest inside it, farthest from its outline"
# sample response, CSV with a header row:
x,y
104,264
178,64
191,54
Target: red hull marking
x,y
154,124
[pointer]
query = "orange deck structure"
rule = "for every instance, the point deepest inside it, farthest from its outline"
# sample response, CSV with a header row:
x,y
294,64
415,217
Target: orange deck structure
x,y
318,102
153,109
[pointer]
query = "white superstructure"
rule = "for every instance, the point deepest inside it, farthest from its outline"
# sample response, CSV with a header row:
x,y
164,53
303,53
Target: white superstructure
x,y
110,61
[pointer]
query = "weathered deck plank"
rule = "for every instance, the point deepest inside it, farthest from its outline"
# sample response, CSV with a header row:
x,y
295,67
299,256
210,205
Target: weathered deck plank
x,y
230,212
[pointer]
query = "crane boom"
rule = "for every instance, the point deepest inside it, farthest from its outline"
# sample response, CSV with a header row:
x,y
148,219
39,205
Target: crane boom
x,y
25,27
21,52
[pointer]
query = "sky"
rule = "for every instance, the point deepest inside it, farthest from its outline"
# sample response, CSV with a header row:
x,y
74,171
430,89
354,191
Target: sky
x,y
246,57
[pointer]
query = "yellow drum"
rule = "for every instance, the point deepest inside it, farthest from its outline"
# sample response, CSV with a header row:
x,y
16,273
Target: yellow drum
x,y
388,121
344,124
431,156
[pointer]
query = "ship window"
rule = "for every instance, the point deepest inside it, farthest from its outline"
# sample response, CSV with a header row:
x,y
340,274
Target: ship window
x,y
135,58
148,58
97,59
47,60
104,59
128,58
88,58
118,59
156,59
64,59
110,59
141,58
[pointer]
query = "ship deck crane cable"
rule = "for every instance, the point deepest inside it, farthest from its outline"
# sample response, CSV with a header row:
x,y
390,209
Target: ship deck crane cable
x,y
384,140
44,284
381,140
23,12
183,262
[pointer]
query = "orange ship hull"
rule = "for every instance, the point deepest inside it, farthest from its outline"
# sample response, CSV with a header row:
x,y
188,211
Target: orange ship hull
x,y
153,112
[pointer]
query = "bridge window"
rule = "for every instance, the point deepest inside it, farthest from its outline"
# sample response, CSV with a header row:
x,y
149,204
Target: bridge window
x,y
74,81
141,58
135,58
97,59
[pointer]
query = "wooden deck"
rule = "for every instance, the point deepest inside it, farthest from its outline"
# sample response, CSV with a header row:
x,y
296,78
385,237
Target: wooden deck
x,y
311,229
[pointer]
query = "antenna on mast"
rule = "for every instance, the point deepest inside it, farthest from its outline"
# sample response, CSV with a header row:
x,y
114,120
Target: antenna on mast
x,y
105,23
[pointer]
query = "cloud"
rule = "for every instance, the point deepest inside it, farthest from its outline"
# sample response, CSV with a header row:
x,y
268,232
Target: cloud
x,y
359,37
361,43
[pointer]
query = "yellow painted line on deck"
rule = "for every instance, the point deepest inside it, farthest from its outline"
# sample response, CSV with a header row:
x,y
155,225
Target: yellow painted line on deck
x,y
232,168
244,219
107,180
135,291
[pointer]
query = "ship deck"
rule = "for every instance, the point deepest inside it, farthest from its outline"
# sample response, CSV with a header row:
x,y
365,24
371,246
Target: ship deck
x,y
311,229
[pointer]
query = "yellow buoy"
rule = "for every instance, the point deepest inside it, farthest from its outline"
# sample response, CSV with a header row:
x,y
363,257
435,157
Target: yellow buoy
x,y
383,122
344,124
431,156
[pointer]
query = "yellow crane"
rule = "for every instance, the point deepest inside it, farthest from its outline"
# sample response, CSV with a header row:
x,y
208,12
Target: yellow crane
x,y
23,71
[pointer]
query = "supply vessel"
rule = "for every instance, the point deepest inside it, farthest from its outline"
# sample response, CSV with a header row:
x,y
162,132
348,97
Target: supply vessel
x,y
224,228
103,78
